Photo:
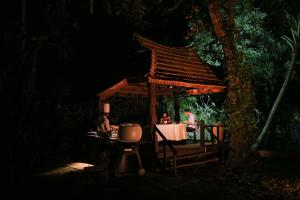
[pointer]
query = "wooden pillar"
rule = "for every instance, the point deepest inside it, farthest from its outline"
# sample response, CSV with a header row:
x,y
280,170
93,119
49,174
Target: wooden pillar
x,y
152,107
202,132
176,107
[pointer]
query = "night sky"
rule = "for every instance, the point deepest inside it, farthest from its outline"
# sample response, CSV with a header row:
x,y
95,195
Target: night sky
x,y
100,42
103,45
97,47
110,46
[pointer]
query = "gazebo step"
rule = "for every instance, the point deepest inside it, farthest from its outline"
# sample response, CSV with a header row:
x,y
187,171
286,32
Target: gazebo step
x,y
185,155
202,162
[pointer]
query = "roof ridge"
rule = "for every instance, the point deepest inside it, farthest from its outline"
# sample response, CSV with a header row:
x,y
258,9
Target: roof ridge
x,y
141,40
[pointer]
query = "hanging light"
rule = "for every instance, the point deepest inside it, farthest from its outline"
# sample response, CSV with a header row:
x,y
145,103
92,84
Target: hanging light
x,y
106,107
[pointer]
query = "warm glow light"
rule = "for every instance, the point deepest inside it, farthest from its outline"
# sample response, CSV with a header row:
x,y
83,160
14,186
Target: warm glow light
x,y
71,167
79,165
106,108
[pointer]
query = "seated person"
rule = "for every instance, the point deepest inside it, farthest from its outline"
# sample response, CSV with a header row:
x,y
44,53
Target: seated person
x,y
190,124
103,126
165,119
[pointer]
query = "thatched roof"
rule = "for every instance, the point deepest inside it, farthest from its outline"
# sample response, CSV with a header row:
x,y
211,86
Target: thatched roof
x,y
172,69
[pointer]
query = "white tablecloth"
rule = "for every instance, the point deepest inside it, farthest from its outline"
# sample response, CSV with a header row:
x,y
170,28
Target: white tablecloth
x,y
172,131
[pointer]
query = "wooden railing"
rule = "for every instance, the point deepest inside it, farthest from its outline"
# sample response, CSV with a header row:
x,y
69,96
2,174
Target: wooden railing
x,y
213,137
163,154
165,143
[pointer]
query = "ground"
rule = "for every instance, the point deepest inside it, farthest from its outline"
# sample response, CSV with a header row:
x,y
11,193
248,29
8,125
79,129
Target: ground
x,y
256,179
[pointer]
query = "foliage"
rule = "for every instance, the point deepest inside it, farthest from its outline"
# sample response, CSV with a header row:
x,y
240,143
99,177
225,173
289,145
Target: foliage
x,y
293,43
202,39
259,49
202,106
295,32
166,104
260,53
296,117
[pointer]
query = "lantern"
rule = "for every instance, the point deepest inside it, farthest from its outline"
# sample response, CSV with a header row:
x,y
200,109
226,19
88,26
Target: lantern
x,y
106,107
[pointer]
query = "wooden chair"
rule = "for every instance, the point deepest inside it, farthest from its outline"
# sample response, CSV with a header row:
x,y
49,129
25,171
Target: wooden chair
x,y
195,132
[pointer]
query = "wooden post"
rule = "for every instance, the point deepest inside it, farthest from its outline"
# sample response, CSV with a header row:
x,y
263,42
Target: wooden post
x,y
202,133
152,107
176,107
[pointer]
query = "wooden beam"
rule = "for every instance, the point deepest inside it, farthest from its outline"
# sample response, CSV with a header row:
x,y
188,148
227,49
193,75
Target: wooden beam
x,y
208,90
134,90
152,107
183,84
198,76
112,90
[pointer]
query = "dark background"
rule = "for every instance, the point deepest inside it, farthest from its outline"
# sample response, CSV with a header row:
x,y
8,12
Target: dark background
x,y
79,47
53,67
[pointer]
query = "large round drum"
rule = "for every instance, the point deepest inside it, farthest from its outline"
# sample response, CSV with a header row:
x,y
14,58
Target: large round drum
x,y
130,132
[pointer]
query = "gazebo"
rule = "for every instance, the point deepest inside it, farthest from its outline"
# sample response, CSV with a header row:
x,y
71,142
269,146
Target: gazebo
x,y
173,71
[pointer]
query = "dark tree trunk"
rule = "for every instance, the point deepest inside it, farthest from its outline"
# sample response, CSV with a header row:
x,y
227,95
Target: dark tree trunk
x,y
240,100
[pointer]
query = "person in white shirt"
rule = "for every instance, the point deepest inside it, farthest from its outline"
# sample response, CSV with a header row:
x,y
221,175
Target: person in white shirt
x,y
190,125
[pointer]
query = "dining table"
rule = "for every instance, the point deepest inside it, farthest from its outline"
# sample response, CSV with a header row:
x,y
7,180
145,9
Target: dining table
x,y
174,132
